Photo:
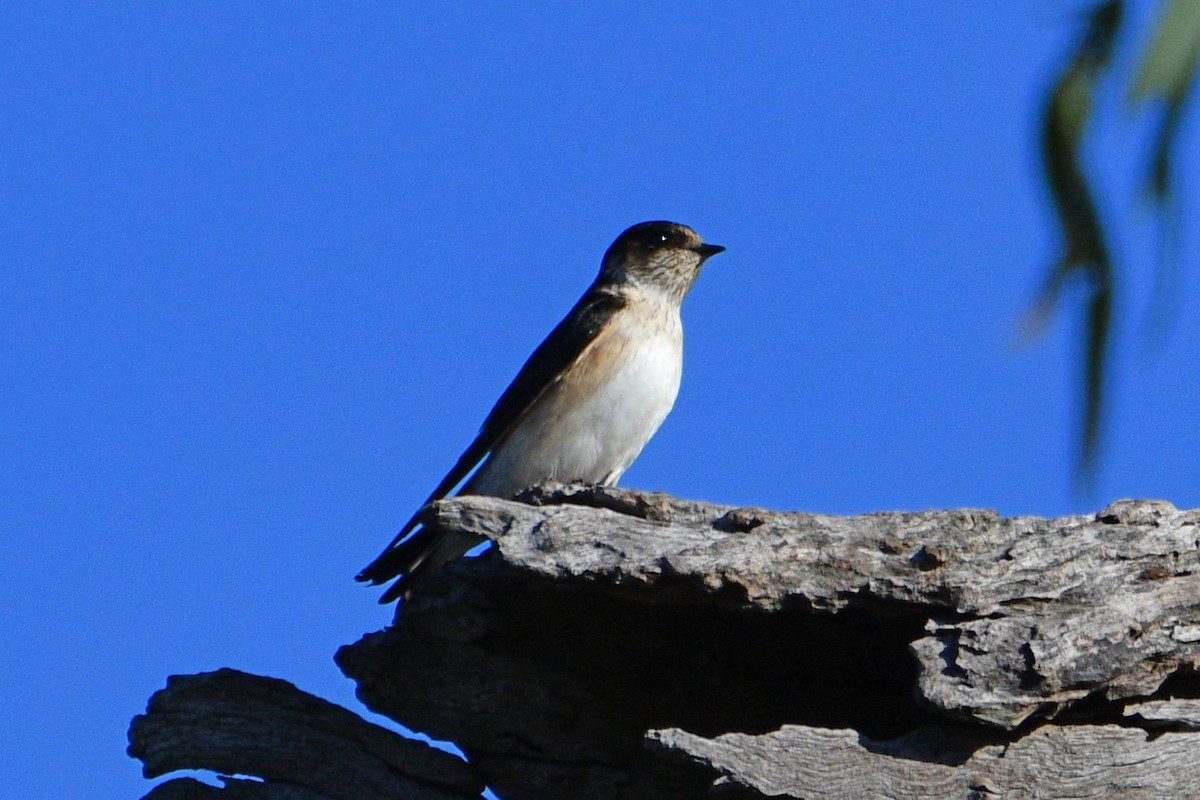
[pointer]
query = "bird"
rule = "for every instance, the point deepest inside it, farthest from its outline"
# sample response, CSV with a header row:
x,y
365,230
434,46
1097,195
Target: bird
x,y
586,401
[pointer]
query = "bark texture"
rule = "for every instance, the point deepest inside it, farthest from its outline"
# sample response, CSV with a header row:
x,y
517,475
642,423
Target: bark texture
x,y
301,747
621,644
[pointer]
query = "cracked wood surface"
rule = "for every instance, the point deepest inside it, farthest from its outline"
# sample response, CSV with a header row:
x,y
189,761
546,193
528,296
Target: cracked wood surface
x,y
303,747
1116,763
619,644
1026,615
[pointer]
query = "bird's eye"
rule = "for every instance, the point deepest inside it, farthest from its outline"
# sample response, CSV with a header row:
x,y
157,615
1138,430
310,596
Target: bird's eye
x,y
662,237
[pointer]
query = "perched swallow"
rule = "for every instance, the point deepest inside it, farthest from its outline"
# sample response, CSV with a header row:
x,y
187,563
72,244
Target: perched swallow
x,y
587,400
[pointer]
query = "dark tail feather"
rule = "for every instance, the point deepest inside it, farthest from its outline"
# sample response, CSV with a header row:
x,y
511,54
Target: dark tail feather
x,y
405,560
398,561
397,590
397,558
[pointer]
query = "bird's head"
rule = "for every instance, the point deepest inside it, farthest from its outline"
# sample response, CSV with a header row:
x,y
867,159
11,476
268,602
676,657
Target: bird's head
x,y
665,256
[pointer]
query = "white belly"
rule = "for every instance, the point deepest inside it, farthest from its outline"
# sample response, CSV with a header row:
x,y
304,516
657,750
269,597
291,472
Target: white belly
x,y
591,426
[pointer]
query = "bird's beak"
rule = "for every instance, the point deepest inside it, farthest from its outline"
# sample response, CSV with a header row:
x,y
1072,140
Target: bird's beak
x,y
706,250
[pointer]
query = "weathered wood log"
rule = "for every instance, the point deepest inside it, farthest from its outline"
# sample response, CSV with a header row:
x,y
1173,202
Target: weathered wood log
x,y
303,748
1046,763
624,644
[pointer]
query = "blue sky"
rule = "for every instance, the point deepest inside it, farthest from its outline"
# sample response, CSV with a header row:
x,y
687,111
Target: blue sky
x,y
267,268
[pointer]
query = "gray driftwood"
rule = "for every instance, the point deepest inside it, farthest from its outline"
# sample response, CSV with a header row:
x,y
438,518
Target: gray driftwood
x,y
303,747
623,644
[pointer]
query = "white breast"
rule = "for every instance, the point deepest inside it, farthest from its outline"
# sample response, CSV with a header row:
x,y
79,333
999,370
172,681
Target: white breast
x,y
591,425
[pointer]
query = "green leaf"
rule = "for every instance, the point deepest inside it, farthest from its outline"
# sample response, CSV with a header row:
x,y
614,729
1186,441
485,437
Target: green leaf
x,y
1168,66
1084,252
